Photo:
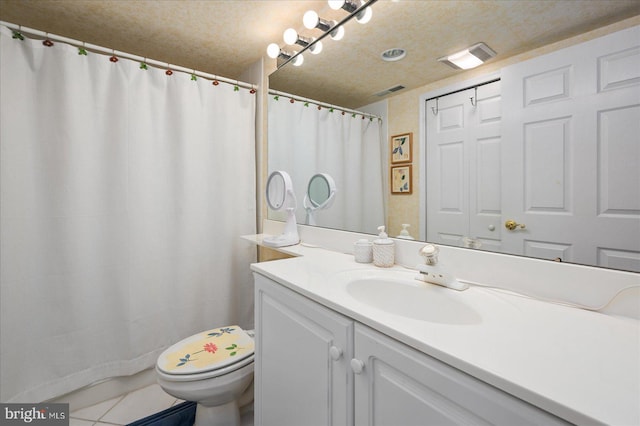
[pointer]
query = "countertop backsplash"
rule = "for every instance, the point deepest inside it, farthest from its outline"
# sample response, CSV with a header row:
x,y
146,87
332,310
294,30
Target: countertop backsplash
x,y
544,279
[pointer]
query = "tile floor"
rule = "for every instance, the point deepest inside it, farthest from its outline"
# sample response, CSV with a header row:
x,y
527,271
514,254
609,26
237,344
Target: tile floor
x,y
128,408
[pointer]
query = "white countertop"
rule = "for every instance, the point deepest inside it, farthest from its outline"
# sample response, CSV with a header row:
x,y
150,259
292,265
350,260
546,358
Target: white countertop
x,y
580,365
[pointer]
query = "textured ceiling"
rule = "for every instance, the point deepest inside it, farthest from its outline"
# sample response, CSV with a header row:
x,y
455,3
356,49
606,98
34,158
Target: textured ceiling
x,y
350,73
215,36
225,37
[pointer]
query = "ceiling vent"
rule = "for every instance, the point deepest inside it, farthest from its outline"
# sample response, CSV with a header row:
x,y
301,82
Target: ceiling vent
x,y
390,90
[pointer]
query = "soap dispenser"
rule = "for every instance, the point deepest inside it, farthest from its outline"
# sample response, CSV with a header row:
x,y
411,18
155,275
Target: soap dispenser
x,y
404,234
383,250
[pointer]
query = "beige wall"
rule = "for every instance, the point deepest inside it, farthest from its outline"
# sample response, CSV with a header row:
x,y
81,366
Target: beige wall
x,y
404,116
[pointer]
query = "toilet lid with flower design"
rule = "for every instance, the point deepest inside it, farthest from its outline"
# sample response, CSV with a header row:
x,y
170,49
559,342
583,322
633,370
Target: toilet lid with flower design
x,y
207,351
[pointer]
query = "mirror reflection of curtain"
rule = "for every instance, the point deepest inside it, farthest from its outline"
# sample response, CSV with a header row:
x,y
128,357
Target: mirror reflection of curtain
x,y
304,141
123,193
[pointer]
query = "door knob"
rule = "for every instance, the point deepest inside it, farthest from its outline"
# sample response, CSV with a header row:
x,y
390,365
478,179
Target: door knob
x,y
512,224
357,366
335,353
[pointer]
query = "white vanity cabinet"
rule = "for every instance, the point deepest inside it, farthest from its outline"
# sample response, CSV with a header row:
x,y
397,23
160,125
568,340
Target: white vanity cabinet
x,y
303,349
315,366
399,385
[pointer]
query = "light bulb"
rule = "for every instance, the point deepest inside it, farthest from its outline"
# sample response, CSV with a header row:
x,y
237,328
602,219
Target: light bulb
x,y
336,4
310,19
273,50
290,36
337,33
316,48
298,60
364,16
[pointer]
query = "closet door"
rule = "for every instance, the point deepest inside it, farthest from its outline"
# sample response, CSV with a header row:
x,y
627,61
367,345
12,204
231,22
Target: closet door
x,y
485,167
571,126
447,174
463,167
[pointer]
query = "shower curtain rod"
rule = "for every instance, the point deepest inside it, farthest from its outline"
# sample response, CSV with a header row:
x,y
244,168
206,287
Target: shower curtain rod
x,y
324,105
100,49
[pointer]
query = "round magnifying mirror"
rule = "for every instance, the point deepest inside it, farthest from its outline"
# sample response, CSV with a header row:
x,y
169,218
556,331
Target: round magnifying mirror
x,y
280,196
318,190
320,194
277,189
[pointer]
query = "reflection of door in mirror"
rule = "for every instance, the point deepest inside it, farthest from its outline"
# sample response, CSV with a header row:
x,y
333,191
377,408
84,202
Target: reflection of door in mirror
x,y
464,168
574,174
562,168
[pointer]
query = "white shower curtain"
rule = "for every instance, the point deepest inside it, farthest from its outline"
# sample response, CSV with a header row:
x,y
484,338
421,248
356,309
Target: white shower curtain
x,y
305,140
123,195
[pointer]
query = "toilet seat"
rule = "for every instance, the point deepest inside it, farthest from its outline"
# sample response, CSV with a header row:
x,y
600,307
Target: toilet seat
x,y
207,354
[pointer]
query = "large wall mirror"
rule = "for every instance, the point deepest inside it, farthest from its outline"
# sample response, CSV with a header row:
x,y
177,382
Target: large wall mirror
x,y
351,74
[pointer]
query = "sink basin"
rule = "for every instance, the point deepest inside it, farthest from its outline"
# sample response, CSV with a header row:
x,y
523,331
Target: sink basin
x,y
398,293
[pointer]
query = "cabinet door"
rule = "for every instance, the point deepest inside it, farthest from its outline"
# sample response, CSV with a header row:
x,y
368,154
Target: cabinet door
x,y
303,350
401,386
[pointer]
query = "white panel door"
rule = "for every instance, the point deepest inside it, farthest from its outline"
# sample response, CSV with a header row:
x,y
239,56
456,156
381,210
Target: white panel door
x,y
447,174
571,127
464,167
485,168
302,354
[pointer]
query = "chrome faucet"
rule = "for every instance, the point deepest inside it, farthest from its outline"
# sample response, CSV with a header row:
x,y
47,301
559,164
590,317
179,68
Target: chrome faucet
x,y
434,273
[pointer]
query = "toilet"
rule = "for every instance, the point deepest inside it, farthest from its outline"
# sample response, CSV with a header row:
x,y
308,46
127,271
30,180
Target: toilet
x,y
213,368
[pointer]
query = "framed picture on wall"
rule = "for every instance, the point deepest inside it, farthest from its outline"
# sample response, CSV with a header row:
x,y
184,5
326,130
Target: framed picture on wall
x,y
401,148
401,179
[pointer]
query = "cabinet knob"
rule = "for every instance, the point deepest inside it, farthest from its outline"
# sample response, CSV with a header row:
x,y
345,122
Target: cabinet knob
x,y
335,352
357,366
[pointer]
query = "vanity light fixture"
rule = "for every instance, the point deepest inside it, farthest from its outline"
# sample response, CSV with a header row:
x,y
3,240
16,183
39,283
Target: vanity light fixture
x,y
274,52
311,20
316,48
358,9
469,58
338,33
292,37
351,6
364,16
298,60
348,5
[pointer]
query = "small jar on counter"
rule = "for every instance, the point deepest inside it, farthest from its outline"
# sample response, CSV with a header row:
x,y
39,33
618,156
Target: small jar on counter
x,y
363,251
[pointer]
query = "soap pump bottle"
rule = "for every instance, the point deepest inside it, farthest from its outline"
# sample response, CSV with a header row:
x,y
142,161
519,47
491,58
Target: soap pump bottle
x,y
383,250
404,234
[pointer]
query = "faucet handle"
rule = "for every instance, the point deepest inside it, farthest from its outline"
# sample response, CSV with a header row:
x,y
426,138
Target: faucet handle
x,y
430,254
